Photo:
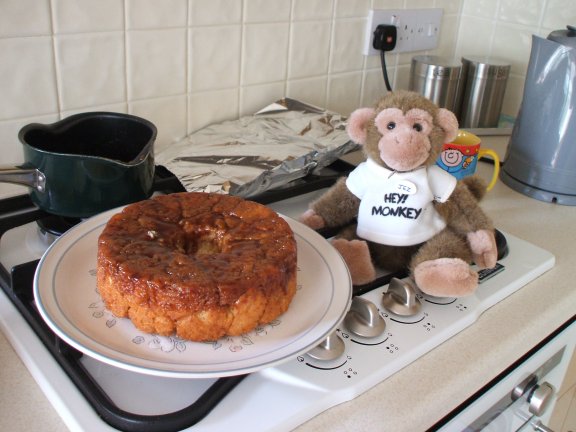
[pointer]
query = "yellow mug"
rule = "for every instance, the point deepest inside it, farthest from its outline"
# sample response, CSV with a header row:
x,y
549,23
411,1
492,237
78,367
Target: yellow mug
x,y
460,157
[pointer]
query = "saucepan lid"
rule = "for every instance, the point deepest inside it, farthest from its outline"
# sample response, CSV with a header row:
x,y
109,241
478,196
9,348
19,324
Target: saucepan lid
x,y
66,296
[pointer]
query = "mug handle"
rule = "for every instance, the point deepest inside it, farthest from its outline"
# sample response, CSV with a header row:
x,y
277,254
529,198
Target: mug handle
x,y
491,153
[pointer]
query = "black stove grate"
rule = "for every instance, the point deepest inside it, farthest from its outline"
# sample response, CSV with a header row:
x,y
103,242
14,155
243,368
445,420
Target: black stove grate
x,y
17,283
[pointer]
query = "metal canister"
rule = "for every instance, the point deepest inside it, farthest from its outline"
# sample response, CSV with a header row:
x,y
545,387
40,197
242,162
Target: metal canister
x,y
484,87
438,79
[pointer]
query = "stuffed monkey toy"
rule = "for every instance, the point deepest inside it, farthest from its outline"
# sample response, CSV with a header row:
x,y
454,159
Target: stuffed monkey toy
x,y
399,210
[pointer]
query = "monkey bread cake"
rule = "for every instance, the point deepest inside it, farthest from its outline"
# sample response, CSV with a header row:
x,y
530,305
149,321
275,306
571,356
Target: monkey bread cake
x,y
198,265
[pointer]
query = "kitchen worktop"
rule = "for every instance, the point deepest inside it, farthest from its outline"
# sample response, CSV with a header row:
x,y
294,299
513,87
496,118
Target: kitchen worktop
x,y
428,389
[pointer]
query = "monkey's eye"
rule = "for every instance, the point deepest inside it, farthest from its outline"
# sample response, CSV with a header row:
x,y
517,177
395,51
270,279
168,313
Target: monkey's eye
x,y
391,125
417,127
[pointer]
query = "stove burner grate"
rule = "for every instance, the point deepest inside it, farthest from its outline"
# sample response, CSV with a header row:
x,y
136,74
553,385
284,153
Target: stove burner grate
x,y
17,283
55,226
69,359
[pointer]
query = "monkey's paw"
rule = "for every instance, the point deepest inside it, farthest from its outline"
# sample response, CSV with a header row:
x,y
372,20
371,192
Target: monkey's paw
x,y
313,220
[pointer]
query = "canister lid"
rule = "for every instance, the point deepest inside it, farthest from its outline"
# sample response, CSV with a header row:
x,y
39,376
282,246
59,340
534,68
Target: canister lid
x,y
430,66
486,67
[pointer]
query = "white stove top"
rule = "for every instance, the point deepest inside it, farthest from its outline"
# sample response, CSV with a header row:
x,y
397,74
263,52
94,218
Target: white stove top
x,y
300,388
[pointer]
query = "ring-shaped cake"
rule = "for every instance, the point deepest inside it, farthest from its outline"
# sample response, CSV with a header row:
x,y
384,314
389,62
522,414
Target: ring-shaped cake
x,y
198,265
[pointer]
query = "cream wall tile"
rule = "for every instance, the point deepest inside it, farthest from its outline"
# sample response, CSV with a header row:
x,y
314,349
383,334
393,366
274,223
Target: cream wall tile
x,y
210,12
406,58
558,13
448,36
374,86
450,7
167,114
90,69
352,8
526,12
215,57
374,61
512,44
266,11
156,14
387,4
312,9
309,49
468,41
480,8
211,107
27,78
12,152
254,98
402,77
156,63
25,18
120,107
311,90
74,16
272,48
347,42
417,4
265,53
344,92
513,95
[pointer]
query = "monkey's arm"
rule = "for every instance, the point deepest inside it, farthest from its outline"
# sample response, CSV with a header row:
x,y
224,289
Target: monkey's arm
x,y
337,207
462,212
464,216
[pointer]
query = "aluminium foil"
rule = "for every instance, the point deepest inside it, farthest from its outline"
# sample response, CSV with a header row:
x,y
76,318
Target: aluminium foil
x,y
285,141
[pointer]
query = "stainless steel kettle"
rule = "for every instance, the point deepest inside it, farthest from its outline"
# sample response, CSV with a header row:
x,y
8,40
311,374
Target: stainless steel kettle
x,y
541,158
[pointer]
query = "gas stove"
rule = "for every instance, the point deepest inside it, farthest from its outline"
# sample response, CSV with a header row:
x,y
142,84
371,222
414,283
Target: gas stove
x,y
91,395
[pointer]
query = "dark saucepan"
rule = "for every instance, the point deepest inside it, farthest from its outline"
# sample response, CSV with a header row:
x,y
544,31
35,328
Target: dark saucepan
x,y
86,163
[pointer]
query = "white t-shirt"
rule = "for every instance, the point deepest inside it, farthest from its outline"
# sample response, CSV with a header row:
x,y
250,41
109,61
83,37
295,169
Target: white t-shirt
x,y
397,208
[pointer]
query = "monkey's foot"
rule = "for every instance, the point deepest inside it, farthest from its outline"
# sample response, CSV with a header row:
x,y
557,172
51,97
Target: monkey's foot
x,y
357,257
446,277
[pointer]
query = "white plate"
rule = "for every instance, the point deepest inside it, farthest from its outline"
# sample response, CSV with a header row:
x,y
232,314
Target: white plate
x,y
67,298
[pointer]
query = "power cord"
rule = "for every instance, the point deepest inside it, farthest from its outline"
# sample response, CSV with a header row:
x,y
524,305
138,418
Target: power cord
x,y
384,71
385,40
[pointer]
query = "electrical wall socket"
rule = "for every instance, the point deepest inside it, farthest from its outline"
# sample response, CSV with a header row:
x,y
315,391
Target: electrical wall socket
x,y
418,29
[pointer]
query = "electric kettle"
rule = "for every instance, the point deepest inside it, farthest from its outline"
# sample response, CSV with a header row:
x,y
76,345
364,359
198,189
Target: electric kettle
x,y
541,158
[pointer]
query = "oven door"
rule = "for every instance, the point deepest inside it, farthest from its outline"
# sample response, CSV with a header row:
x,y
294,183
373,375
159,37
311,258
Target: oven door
x,y
523,397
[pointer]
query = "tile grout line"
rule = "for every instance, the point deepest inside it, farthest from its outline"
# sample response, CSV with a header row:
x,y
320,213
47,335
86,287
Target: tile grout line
x,y
55,63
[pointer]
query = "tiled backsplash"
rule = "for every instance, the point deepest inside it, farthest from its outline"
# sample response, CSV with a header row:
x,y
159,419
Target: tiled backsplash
x,y
184,64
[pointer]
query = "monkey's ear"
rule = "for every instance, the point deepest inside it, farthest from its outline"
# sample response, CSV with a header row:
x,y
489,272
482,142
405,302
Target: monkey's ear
x,y
358,124
449,124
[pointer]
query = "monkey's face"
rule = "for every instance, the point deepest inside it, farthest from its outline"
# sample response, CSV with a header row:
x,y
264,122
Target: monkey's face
x,y
404,144
404,131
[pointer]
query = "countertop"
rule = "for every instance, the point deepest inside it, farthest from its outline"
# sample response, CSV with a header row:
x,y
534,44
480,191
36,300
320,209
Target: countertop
x,y
424,392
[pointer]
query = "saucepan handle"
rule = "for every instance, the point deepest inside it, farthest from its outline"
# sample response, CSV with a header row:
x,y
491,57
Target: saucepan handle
x,y
30,177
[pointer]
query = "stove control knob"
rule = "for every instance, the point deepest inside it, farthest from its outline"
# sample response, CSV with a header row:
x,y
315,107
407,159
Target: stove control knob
x,y
329,349
363,319
401,298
